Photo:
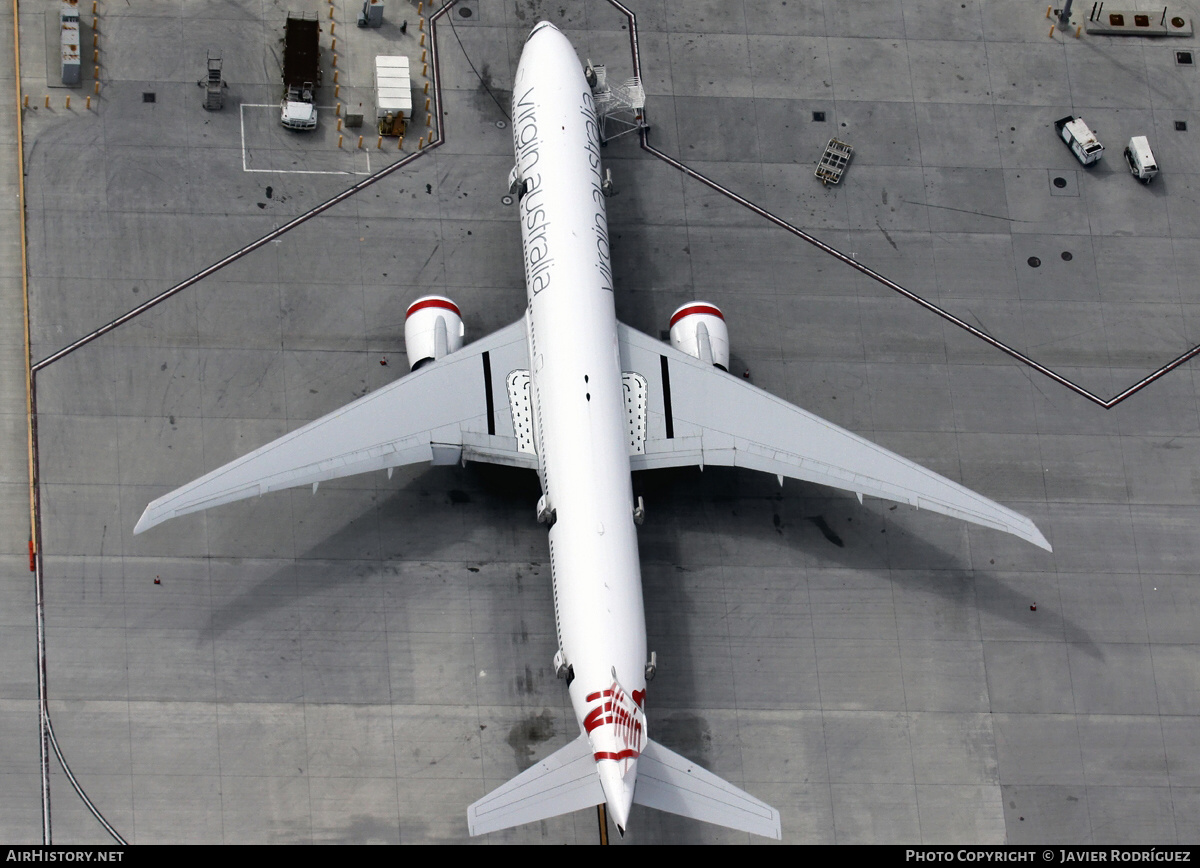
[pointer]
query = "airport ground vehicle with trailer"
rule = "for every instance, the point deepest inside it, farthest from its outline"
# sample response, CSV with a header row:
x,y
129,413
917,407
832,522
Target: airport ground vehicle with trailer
x,y
301,72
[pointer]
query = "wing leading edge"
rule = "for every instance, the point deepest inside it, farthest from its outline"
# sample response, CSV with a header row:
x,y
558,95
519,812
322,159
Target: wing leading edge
x,y
448,411
701,415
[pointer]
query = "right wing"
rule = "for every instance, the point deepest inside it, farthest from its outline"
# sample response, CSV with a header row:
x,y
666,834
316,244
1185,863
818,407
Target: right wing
x,y
563,782
696,414
451,410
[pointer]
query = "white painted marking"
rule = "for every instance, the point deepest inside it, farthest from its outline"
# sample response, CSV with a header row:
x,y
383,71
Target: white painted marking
x,y
246,168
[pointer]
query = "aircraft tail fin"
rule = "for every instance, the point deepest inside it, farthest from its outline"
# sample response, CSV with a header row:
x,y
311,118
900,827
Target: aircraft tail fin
x,y
668,782
563,782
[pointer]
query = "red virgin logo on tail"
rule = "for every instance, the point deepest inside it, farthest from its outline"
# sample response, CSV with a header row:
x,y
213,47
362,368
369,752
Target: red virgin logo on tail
x,y
617,709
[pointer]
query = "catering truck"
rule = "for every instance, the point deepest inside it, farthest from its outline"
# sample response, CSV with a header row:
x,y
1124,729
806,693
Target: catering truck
x,y
301,72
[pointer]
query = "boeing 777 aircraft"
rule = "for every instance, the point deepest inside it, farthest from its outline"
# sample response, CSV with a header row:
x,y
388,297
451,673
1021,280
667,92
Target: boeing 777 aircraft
x,y
583,400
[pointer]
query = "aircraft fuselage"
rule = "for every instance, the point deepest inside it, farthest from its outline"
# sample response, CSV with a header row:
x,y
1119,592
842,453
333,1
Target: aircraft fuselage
x,y
578,405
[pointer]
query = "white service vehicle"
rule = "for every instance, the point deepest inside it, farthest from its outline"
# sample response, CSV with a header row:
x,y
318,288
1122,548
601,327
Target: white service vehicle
x,y
1080,139
1140,158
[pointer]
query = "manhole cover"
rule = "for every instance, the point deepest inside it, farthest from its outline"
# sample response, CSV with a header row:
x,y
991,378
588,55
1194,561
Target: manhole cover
x,y
1066,255
1177,21
465,12
819,117
1060,182
149,97
1034,262
1183,58
507,200
1181,126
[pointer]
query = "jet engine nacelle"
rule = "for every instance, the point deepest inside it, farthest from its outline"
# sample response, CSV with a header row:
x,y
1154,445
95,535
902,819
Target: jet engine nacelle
x,y
698,329
433,327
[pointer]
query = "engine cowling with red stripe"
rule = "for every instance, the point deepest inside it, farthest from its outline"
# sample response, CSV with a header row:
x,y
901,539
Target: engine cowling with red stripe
x,y
433,328
698,329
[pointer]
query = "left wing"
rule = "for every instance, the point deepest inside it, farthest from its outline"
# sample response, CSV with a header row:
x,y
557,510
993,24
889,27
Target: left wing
x,y
451,410
669,782
696,414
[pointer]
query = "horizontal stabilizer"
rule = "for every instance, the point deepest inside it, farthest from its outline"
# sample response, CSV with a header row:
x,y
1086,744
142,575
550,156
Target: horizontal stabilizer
x,y
668,782
564,782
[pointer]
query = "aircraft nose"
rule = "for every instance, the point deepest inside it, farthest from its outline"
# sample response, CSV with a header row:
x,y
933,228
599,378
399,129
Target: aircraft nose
x,y
539,27
618,790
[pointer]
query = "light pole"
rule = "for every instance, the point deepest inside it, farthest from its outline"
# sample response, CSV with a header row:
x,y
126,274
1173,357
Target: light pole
x,y
1064,15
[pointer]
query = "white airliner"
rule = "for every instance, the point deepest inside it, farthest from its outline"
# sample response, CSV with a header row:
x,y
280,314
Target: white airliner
x,y
584,400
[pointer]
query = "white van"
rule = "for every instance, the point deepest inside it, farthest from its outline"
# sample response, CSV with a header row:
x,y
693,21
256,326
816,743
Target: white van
x,y
1141,160
1082,141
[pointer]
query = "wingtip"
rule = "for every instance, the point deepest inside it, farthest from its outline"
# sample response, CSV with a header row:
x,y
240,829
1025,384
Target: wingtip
x,y
776,831
1036,537
144,523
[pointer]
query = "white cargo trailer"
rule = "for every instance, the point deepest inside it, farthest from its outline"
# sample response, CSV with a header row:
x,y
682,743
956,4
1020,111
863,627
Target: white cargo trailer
x,y
393,92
